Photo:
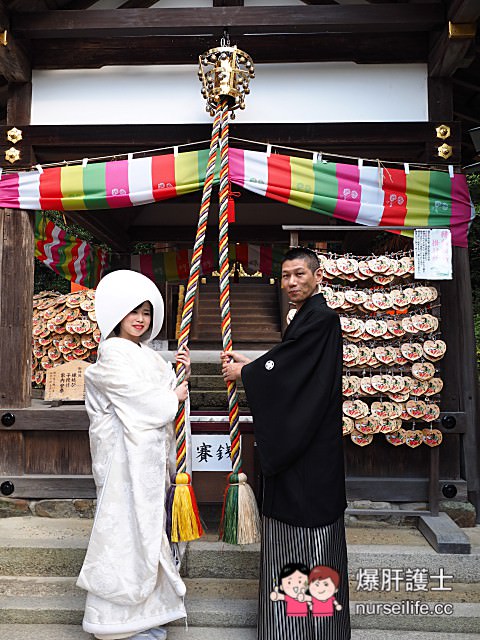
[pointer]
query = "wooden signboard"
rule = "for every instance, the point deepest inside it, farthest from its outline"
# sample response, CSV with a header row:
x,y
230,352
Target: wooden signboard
x,y
66,382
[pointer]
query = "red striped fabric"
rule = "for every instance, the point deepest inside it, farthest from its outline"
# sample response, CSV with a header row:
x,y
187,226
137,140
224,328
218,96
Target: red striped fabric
x,y
279,177
394,199
50,189
163,177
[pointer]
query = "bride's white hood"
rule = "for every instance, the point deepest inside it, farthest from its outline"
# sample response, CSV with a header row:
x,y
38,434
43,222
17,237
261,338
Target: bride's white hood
x,y
120,292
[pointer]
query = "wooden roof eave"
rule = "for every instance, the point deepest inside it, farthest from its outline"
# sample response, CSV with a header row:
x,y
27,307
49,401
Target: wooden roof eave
x,y
323,19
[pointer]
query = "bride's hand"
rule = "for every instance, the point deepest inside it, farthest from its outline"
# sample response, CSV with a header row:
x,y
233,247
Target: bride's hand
x,y
182,391
183,356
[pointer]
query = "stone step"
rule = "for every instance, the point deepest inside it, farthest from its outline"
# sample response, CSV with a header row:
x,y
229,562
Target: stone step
x,y
200,344
215,559
75,632
241,318
236,612
207,329
68,609
209,383
239,292
242,284
212,336
35,586
249,304
261,302
235,589
214,400
213,368
32,546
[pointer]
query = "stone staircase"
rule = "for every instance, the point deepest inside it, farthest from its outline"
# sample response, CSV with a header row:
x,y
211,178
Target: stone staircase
x,y
208,389
254,310
40,558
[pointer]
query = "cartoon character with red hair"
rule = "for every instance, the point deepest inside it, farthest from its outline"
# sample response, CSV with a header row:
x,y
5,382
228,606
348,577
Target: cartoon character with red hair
x,y
322,586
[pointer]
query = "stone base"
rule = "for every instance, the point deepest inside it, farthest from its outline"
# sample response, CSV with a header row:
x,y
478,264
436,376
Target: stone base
x,y
76,508
14,507
462,513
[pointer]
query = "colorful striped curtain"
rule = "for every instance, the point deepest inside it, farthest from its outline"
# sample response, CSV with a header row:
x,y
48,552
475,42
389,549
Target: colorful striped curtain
x,y
83,263
357,194
70,257
174,266
105,185
364,195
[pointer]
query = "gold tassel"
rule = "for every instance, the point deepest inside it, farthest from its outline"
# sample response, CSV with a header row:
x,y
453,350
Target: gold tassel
x,y
185,517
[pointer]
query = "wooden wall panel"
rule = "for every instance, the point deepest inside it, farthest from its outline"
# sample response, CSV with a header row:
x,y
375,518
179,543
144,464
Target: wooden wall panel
x,y
382,459
66,452
11,452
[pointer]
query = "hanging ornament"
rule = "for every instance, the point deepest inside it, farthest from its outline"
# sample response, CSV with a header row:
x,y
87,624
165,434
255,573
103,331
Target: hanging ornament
x,y
12,155
14,135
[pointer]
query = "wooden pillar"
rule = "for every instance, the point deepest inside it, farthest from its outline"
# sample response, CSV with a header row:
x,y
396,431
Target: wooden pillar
x,y
468,376
16,293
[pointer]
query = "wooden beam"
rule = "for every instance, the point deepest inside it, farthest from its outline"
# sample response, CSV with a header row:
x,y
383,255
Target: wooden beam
x,y
237,233
466,116
78,5
388,18
373,48
19,105
46,486
406,141
41,417
440,99
14,61
471,86
105,227
463,11
447,55
228,3
137,4
399,489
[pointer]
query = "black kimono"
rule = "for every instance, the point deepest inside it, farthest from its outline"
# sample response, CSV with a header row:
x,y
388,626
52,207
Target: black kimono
x,y
295,395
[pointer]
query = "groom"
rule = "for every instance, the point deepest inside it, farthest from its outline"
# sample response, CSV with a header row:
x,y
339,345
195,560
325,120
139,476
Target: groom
x,y
295,396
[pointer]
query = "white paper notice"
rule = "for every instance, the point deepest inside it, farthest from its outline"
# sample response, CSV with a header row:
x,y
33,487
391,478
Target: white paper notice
x,y
211,453
432,251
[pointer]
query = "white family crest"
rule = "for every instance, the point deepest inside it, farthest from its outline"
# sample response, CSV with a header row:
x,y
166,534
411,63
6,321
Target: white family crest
x,y
269,364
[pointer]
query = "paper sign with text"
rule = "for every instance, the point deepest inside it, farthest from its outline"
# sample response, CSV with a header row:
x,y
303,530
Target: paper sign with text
x,y
211,453
432,251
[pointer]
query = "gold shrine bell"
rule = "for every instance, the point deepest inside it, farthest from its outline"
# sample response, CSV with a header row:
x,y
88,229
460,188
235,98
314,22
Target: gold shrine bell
x,y
225,71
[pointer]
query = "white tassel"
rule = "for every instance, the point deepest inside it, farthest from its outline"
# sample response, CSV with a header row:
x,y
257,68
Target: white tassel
x,y
248,517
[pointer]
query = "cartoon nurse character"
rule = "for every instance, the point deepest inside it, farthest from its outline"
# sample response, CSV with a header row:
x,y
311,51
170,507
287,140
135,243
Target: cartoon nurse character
x,y
322,585
293,580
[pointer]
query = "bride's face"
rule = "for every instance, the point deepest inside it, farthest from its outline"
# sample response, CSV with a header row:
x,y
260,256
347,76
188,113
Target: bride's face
x,y
136,323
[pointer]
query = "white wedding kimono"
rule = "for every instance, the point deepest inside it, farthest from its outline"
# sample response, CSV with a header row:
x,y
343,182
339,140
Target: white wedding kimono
x,y
129,572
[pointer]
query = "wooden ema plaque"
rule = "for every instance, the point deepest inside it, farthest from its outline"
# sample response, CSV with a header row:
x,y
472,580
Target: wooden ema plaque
x,y
66,382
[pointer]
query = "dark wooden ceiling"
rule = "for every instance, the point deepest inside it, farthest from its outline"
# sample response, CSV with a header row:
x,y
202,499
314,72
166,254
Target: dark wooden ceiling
x,y
62,34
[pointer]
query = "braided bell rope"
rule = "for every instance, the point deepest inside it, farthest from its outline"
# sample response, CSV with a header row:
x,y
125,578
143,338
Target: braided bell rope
x,y
191,289
224,283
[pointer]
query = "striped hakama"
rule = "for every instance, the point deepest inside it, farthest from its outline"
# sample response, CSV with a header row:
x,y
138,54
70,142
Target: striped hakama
x,y
283,544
